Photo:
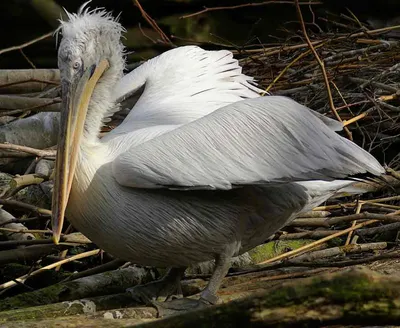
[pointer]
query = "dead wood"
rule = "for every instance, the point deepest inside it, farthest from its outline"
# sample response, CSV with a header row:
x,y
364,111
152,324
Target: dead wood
x,y
82,321
14,105
358,296
7,217
28,80
353,296
362,71
30,253
27,207
340,250
112,265
38,131
105,283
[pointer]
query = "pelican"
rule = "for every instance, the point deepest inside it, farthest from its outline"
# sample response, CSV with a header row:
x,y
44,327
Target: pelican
x,y
202,168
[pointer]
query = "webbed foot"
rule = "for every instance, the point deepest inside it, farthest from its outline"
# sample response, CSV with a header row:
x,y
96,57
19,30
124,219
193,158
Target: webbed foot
x,y
178,306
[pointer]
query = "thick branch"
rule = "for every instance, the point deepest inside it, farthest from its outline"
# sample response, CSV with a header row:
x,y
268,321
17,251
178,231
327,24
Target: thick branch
x,y
27,80
18,104
28,150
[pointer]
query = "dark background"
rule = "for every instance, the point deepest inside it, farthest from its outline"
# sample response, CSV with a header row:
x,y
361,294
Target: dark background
x,y
23,20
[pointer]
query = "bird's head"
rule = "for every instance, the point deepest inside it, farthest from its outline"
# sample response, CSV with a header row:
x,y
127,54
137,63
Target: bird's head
x,y
90,56
88,38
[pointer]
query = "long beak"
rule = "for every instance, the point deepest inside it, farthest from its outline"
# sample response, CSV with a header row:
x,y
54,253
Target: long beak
x,y
75,103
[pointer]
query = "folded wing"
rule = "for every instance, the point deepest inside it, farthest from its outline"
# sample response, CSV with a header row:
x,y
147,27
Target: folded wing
x,y
254,141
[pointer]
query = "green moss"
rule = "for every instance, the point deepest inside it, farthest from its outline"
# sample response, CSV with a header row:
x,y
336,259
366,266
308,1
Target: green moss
x,y
11,270
341,288
274,248
43,296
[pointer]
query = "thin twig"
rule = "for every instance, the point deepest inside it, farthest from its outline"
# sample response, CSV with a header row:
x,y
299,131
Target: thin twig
x,y
344,100
318,242
358,210
369,201
253,4
303,54
25,230
321,64
27,59
22,279
26,44
356,118
153,23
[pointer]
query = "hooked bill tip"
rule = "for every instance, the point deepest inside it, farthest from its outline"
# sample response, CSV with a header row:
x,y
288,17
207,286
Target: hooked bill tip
x,y
56,239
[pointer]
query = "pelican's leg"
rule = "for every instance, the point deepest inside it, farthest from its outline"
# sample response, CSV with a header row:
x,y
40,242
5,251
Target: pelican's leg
x,y
208,296
162,289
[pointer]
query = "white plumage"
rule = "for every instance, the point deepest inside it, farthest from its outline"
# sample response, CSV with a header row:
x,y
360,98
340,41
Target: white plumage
x,y
180,86
202,168
257,141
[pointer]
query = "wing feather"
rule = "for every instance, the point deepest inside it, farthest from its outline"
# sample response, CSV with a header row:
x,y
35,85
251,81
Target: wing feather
x,y
260,140
181,85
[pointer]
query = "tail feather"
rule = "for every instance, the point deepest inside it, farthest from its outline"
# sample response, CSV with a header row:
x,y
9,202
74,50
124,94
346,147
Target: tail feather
x,y
320,191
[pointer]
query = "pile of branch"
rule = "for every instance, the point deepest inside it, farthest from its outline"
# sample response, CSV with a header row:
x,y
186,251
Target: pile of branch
x,y
345,69
350,74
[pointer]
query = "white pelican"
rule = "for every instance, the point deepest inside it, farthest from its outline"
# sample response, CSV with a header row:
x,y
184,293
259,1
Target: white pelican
x,y
202,168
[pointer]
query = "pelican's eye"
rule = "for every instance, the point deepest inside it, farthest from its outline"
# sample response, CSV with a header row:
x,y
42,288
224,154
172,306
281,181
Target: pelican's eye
x,y
76,65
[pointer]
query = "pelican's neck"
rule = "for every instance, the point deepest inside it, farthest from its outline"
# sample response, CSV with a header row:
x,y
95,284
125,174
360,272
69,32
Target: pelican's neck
x,y
102,103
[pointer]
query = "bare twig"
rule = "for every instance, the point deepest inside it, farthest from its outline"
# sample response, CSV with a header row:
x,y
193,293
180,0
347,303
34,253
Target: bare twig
x,y
358,210
22,279
20,182
321,64
26,44
362,216
252,4
340,250
153,24
315,234
30,62
25,230
317,243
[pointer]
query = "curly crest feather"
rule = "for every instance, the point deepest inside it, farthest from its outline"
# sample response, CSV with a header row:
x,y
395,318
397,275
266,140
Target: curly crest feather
x,y
88,20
